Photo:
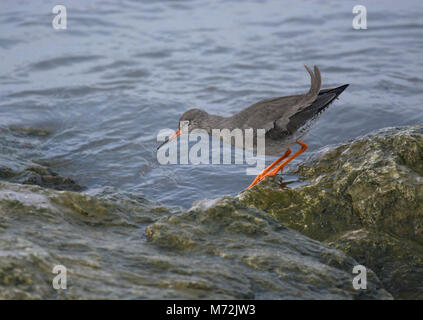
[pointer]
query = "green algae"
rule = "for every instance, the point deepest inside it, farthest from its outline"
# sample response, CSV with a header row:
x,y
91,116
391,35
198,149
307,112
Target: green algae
x,y
40,176
374,184
127,248
290,265
397,261
362,204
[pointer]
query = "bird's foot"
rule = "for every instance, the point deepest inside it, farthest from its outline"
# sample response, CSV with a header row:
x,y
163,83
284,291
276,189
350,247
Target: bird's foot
x,y
268,172
264,174
259,177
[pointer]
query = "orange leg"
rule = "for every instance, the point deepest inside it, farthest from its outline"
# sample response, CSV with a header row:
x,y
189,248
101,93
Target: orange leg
x,y
262,174
283,164
272,173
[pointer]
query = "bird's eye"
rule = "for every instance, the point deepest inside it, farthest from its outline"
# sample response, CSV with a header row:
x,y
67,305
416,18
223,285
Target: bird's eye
x,y
184,123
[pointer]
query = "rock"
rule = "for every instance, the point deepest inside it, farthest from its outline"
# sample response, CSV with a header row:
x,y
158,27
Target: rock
x,y
20,147
40,176
397,261
371,187
28,131
257,257
134,248
6,173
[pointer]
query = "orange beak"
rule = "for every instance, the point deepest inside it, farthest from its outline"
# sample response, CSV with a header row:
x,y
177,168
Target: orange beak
x,y
177,133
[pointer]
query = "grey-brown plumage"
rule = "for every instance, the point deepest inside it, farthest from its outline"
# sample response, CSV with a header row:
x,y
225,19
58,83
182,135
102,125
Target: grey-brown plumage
x,y
284,119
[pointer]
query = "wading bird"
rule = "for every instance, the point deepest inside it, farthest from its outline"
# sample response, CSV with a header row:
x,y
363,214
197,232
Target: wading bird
x,y
286,121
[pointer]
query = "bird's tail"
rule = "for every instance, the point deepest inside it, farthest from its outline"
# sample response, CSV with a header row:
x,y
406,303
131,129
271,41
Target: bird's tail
x,y
316,84
323,100
337,91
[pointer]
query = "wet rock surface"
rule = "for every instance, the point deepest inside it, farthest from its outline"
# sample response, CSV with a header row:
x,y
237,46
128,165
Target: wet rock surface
x,y
361,202
21,159
266,259
364,197
40,176
133,248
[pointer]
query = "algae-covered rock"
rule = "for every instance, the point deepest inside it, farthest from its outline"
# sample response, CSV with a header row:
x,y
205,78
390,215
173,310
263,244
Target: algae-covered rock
x,y
40,176
27,131
248,249
99,241
133,248
20,148
397,261
6,173
374,183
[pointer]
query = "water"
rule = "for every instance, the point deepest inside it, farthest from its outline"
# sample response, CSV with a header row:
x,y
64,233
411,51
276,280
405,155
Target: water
x,y
89,101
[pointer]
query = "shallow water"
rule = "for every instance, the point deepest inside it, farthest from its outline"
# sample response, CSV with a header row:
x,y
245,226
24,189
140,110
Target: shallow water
x,y
89,101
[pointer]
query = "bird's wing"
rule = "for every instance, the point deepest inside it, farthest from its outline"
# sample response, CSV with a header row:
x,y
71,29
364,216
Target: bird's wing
x,y
292,105
300,118
305,100
274,113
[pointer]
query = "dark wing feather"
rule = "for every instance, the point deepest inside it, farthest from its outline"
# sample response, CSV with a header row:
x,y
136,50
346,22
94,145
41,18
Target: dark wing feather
x,y
278,129
263,114
299,119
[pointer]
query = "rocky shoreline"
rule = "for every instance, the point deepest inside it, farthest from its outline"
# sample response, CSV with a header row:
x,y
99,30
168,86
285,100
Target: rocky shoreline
x,y
361,203
365,198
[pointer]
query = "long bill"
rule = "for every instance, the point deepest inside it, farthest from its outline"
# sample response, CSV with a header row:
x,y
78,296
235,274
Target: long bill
x,y
177,133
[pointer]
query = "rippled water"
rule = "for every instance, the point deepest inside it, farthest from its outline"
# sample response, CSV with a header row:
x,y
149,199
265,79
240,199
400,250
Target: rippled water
x,y
99,92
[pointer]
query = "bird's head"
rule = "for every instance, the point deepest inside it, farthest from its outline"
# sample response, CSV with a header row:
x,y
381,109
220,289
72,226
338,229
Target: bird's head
x,y
190,120
193,119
